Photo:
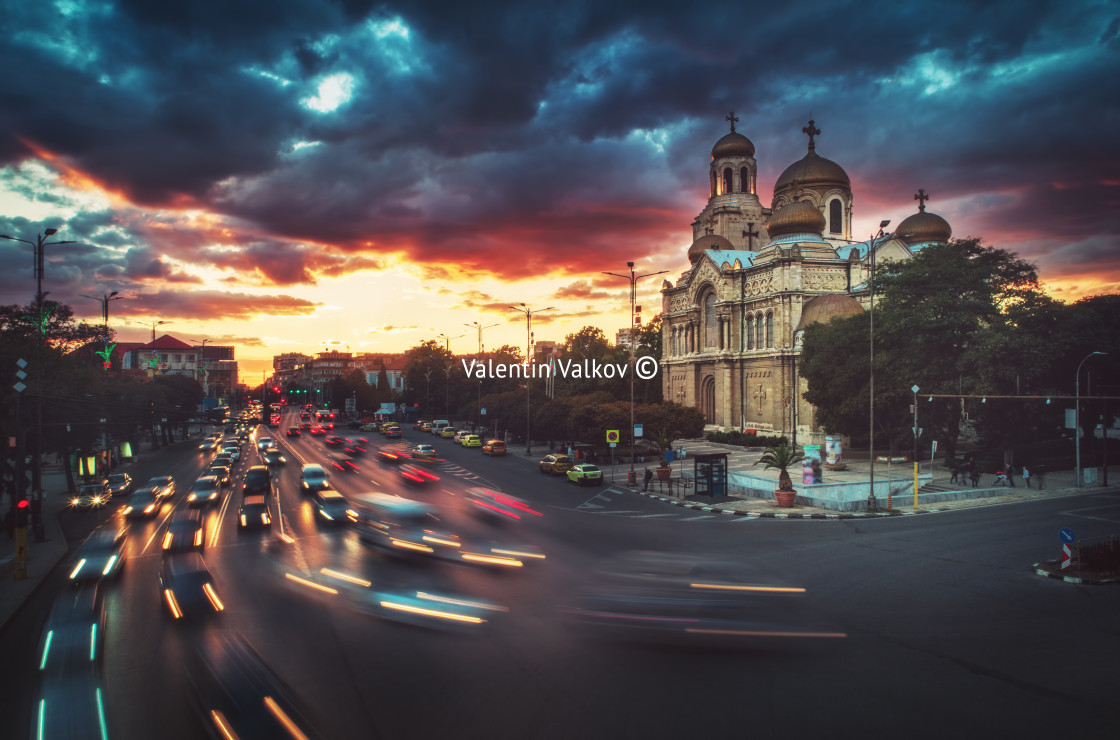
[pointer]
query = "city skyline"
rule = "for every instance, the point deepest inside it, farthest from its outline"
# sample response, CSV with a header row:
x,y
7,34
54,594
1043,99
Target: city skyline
x,y
334,176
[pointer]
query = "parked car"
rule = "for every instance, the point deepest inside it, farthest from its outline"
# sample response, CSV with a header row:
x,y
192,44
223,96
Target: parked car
x,y
555,464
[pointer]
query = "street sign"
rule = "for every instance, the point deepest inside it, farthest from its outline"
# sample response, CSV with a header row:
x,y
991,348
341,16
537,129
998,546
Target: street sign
x,y
484,412
1067,557
637,430
614,444
1066,535
612,436
935,445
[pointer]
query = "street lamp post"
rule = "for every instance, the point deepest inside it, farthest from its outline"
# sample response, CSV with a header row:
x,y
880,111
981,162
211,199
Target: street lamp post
x,y
1077,418
528,352
427,390
914,388
36,460
447,340
154,325
872,502
479,327
633,293
104,301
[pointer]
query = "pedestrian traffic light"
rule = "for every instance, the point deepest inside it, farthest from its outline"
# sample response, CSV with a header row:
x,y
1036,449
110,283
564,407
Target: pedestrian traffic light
x,y
23,510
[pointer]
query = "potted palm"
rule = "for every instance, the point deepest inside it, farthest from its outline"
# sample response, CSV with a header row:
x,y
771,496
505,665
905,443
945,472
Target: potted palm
x,y
782,457
664,470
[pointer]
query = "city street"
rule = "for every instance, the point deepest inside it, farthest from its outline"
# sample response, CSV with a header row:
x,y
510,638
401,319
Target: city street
x,y
929,626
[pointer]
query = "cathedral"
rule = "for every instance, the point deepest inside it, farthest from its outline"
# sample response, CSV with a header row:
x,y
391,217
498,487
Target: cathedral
x,y
757,276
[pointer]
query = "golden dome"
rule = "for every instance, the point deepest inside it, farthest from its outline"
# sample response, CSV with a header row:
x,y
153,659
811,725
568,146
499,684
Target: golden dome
x,y
824,308
799,217
733,145
924,226
812,170
709,241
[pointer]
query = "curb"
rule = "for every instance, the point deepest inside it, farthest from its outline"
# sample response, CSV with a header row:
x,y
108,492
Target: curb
x,y
1039,570
790,515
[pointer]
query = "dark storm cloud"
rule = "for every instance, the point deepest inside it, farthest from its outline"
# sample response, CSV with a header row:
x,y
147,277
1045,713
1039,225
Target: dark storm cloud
x,y
524,140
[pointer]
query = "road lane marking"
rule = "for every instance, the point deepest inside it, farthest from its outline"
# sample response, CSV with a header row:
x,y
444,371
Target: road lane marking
x,y
695,518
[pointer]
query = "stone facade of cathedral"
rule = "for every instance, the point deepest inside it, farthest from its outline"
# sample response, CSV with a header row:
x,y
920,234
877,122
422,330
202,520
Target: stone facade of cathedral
x,y
758,276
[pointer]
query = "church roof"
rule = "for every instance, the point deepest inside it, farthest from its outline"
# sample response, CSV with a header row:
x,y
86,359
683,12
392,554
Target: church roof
x,y
706,242
924,227
824,308
812,170
799,217
730,256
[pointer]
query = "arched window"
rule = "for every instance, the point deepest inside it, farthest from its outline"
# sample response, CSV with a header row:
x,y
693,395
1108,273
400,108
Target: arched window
x,y
711,326
769,330
758,328
750,332
835,217
727,180
744,180
713,180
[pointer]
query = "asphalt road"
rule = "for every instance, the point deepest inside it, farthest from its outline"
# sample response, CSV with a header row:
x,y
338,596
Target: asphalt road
x,y
947,630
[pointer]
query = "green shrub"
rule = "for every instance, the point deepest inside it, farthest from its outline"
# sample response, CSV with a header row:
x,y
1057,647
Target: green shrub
x,y
745,440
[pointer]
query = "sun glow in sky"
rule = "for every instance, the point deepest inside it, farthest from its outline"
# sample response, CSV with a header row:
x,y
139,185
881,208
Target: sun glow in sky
x,y
311,178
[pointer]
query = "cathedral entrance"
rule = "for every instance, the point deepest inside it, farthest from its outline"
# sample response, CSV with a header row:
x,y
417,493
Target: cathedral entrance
x,y
708,399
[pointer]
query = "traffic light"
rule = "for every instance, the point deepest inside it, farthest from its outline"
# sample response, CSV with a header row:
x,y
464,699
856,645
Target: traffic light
x,y
23,511
151,409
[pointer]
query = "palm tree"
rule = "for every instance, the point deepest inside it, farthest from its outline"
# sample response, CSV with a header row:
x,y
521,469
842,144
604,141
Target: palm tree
x,y
782,457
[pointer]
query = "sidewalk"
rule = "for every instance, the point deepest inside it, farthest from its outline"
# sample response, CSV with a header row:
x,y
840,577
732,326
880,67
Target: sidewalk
x,y
43,556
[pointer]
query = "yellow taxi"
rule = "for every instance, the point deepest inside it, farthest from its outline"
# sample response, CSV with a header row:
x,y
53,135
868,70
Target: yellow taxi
x,y
448,433
556,464
472,440
494,447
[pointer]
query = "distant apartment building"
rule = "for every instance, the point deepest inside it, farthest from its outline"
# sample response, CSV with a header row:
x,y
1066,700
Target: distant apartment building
x,y
394,370
625,337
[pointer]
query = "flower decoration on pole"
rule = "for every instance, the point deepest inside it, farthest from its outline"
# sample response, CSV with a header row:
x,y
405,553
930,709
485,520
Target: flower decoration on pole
x,y
106,355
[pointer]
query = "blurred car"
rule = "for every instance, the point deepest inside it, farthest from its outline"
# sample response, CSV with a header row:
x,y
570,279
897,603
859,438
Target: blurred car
x,y
355,447
426,427
313,477
236,694
69,703
164,485
264,443
343,464
497,506
460,436
367,428
448,433
419,425
183,534
293,431
208,444
585,474
390,457
91,496
188,588
100,556
254,512
272,456
205,491
223,456
400,526
393,432
317,430
422,453
221,472
120,484
334,441
471,440
234,450
415,476
555,464
494,447
258,480
142,505
330,506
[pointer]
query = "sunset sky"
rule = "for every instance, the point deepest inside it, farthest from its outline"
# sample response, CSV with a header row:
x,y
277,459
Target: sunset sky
x,y
306,174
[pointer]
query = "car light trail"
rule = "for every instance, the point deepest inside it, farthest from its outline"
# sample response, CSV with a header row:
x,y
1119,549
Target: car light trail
x,y
346,577
410,545
519,553
109,565
208,589
93,641
762,633
492,559
101,716
172,604
432,612
311,584
441,541
46,650
284,719
77,569
222,724
762,589
461,602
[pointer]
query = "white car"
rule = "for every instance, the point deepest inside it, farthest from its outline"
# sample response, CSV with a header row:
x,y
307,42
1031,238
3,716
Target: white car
x,y
264,443
460,436
234,451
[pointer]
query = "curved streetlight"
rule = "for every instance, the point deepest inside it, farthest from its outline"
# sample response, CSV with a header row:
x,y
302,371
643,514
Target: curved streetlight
x,y
447,340
1077,417
104,301
479,327
154,325
633,341
528,352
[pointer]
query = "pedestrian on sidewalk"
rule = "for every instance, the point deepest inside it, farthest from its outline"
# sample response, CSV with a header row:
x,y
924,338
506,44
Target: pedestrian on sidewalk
x,y
1026,477
955,469
647,478
1010,470
975,476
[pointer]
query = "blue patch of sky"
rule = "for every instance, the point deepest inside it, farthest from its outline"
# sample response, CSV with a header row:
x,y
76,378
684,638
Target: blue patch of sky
x,y
69,38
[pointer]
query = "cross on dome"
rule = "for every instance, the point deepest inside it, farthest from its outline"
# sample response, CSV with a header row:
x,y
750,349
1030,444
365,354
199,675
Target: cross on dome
x,y
921,197
812,131
731,117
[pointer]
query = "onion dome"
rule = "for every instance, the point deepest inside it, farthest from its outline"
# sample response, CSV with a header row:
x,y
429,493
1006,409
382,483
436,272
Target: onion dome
x,y
923,226
709,241
733,145
799,217
812,170
824,308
